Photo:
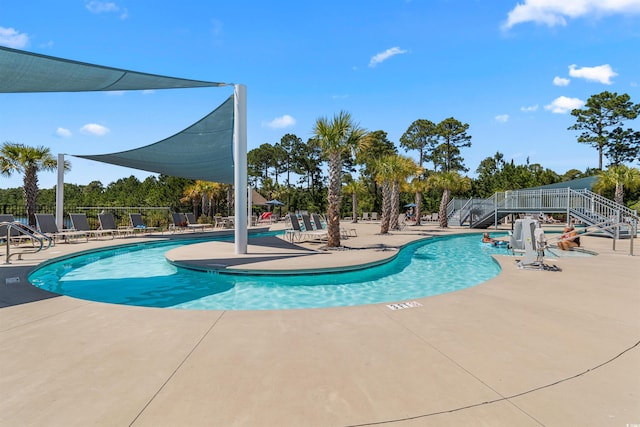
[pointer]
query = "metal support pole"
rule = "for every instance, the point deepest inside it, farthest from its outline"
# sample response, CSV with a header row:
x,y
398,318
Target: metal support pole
x,y
240,167
60,193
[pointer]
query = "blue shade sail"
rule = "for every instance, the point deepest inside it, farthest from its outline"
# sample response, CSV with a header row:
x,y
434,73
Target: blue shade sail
x,y
22,71
202,151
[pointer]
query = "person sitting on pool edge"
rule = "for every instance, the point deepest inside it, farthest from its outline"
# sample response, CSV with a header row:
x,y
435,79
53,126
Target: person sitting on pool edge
x,y
488,239
569,239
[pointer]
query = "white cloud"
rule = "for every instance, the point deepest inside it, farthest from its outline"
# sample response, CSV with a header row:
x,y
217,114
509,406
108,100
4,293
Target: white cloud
x,y
502,118
555,12
560,81
281,122
383,56
529,109
600,73
11,38
94,129
63,133
564,105
96,6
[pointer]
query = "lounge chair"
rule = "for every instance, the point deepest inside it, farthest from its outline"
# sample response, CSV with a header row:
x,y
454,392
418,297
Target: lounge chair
x,y
179,222
193,223
47,226
295,232
365,216
312,232
137,223
108,222
266,217
80,222
14,236
374,216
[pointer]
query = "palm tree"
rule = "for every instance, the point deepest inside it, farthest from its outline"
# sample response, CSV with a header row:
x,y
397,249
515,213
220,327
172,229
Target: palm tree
x,y
194,194
355,188
384,175
336,138
402,168
618,177
29,161
447,182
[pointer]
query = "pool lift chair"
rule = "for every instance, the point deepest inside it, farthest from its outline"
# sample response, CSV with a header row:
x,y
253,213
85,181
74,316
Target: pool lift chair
x,y
528,239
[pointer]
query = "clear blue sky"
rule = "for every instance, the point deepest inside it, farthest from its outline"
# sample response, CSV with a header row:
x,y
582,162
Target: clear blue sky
x,y
511,69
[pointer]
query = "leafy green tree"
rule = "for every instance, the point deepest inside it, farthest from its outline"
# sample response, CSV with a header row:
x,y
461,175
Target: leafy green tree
x,y
19,158
603,111
618,177
335,137
354,188
374,146
421,136
452,135
623,147
448,182
260,160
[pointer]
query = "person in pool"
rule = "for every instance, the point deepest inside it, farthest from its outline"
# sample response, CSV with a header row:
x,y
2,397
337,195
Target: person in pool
x,y
488,239
569,239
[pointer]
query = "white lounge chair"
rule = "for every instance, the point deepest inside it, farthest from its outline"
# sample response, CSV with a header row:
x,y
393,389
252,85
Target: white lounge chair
x,y
137,223
47,226
108,223
80,222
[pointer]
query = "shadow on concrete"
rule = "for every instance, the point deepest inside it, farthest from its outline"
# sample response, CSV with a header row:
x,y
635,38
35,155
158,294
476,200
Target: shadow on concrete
x,y
15,289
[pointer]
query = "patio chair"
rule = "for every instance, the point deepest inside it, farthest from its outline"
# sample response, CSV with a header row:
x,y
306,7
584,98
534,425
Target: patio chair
x,y
374,216
293,232
266,218
108,222
15,236
80,222
310,231
137,223
193,223
365,216
47,226
179,222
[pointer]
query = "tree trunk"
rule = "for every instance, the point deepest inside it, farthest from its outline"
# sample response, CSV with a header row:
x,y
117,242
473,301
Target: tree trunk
x,y
354,206
417,210
442,213
618,196
30,191
333,199
394,210
386,207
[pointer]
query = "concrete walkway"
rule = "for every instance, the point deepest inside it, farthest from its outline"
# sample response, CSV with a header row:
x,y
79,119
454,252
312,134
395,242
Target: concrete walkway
x,y
527,348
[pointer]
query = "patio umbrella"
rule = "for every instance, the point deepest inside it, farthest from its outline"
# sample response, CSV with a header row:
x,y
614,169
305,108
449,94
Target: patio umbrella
x,y
275,202
410,205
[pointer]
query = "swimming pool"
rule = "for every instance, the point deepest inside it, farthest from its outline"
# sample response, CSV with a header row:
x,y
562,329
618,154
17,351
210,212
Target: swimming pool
x,y
140,275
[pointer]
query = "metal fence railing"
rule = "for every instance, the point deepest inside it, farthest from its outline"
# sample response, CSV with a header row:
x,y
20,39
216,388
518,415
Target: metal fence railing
x,y
152,216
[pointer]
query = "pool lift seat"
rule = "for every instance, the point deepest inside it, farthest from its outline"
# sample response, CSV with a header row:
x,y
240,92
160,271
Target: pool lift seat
x,y
528,239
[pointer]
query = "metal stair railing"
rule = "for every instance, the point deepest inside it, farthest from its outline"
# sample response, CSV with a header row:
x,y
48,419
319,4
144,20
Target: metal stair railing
x,y
24,230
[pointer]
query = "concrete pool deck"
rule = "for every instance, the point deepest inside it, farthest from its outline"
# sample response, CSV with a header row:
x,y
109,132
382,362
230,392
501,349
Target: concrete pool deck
x,y
527,348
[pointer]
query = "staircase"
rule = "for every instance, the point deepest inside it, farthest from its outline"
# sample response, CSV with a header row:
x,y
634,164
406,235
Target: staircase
x,y
583,206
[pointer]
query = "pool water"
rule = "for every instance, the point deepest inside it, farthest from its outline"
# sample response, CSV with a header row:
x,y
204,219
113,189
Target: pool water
x,y
140,275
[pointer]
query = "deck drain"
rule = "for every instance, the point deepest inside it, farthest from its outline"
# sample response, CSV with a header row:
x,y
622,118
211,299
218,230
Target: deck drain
x,y
403,305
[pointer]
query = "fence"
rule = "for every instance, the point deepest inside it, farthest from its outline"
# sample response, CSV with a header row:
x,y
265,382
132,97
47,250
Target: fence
x,y
152,216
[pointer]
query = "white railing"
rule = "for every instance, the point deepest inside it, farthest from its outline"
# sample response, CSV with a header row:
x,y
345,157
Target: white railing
x,y
580,204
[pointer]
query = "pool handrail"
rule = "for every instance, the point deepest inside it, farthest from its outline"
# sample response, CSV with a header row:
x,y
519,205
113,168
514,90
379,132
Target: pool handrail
x,y
26,230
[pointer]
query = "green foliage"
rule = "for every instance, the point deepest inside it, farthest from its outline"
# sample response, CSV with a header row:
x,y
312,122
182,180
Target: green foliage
x,y
602,113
